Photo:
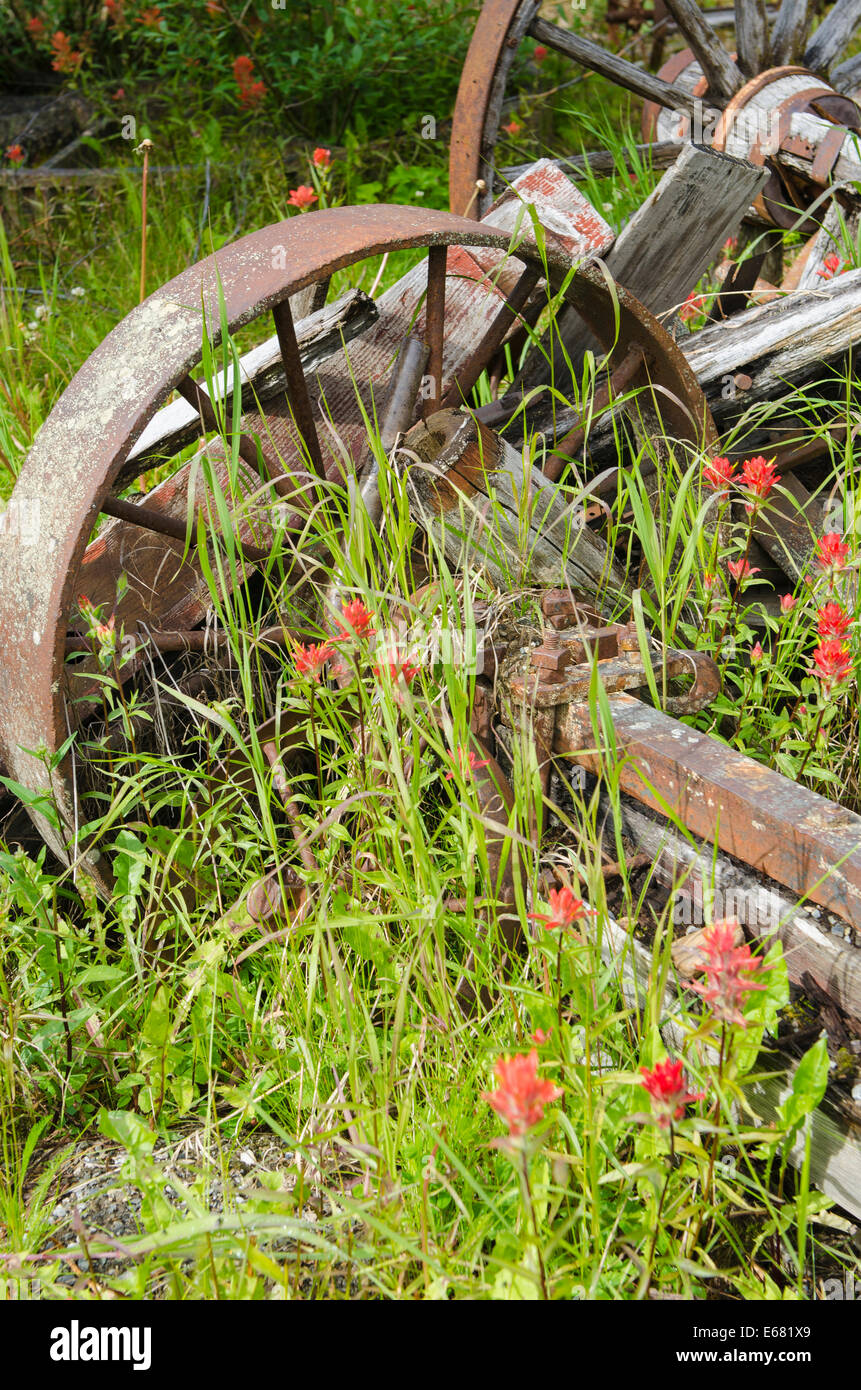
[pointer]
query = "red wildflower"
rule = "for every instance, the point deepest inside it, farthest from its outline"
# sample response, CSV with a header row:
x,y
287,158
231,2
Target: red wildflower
x,y
66,58
116,10
708,581
302,197
355,621
253,94
787,602
759,478
467,761
730,245
322,158
831,621
512,128
565,910
756,654
832,662
520,1096
36,28
243,67
213,8
718,473
15,154
539,1037
310,660
539,53
692,306
741,569
832,553
396,668
150,18
668,1088
831,266
728,970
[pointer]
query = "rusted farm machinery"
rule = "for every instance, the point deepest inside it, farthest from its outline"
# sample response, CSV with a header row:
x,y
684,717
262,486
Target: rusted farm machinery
x,y
481,293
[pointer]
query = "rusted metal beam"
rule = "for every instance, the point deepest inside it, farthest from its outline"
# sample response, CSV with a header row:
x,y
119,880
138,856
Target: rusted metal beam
x,y
797,837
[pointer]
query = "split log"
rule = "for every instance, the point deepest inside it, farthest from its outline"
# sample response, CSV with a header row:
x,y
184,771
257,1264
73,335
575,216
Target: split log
x,y
485,503
775,347
846,77
262,372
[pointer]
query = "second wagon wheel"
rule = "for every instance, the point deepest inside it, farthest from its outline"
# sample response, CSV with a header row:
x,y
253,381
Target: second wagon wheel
x,y
94,448
705,86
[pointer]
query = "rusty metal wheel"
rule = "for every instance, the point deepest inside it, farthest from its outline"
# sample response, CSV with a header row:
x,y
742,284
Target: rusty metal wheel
x,y
104,433
702,84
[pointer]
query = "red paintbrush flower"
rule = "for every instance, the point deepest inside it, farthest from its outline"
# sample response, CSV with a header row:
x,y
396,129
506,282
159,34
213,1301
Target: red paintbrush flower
x,y
467,761
728,969
310,660
302,197
668,1089
741,569
355,621
831,621
759,478
565,910
831,266
322,158
832,663
718,474
832,554
520,1097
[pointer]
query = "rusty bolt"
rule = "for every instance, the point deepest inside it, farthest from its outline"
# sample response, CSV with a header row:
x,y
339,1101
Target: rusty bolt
x,y
743,382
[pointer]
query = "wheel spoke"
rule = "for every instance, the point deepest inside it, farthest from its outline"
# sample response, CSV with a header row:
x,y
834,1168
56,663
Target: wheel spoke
x,y
194,640
832,36
190,391
597,59
789,32
151,520
475,365
435,323
751,36
297,387
724,78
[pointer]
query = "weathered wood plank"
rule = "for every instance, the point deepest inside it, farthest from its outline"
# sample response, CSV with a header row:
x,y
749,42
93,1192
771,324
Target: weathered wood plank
x,y
486,503
846,77
662,252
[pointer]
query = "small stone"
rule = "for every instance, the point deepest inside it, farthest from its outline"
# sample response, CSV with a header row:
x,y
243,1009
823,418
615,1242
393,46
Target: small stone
x,y
836,930
815,912
856,1092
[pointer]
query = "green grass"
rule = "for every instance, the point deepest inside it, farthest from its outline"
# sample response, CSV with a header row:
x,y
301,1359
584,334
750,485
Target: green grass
x,y
336,1024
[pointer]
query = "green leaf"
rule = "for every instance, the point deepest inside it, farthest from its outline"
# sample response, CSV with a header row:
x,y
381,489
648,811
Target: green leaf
x,y
808,1086
156,1028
